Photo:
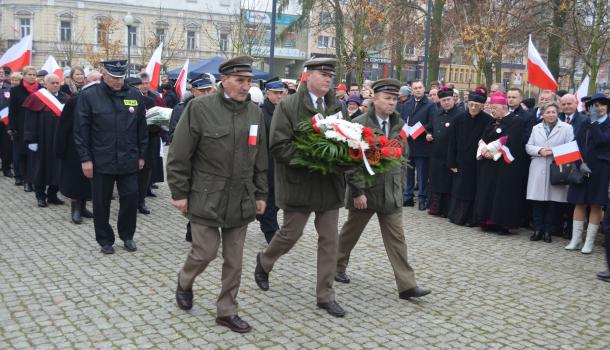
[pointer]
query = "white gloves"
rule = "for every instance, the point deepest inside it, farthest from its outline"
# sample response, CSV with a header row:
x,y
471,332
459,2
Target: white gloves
x,y
33,147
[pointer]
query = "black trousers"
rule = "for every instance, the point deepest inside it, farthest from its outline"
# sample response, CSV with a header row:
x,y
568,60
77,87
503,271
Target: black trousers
x,y
102,186
44,192
268,220
6,149
606,229
144,177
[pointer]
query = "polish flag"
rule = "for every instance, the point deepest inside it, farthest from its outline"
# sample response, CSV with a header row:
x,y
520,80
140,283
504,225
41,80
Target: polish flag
x,y
404,132
508,157
538,74
583,90
18,55
52,67
153,69
566,153
252,135
181,82
416,130
4,115
303,75
50,101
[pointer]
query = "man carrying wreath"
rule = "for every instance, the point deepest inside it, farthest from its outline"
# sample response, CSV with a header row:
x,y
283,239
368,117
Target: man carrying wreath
x,y
299,192
382,197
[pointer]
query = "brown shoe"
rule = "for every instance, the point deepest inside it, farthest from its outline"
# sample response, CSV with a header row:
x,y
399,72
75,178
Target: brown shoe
x,y
234,323
184,298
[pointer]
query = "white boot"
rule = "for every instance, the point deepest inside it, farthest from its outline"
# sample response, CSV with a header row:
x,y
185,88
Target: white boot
x,y
576,242
590,240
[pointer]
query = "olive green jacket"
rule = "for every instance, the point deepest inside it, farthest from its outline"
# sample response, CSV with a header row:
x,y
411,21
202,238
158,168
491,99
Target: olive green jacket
x,y
211,163
384,194
297,188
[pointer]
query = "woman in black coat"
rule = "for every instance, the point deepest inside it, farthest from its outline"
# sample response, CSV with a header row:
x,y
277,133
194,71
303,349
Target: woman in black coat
x,y
594,144
72,183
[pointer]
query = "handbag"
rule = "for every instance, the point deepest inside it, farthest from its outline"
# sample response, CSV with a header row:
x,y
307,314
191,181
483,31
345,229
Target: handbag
x,y
560,175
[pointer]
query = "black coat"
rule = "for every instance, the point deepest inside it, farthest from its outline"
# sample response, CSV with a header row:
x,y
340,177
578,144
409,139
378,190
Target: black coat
x,y
501,186
423,114
17,116
110,128
268,108
461,154
72,182
441,128
577,121
176,114
39,128
594,144
170,99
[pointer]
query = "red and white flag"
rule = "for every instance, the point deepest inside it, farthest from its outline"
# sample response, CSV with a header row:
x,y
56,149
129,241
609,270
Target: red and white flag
x,y
181,81
538,74
50,101
583,90
153,69
252,135
508,157
303,75
404,132
416,130
52,67
18,55
4,115
566,153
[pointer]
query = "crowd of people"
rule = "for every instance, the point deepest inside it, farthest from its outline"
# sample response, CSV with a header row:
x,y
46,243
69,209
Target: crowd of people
x,y
479,158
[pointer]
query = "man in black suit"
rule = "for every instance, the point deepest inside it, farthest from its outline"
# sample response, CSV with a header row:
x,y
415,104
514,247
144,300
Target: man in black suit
x,y
418,109
570,113
515,97
544,97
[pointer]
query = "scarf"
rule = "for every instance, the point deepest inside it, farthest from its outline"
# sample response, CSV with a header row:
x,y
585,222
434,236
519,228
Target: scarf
x,y
31,88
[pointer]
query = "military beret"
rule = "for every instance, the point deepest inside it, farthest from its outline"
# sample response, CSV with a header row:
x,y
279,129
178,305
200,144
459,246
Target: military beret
x,y
390,86
116,68
42,73
323,63
241,65
274,84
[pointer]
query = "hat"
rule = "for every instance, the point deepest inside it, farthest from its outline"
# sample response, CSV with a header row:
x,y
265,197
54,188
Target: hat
x,y
324,64
274,84
478,95
42,73
133,81
498,98
203,81
599,98
240,65
354,99
404,90
341,87
390,86
445,91
115,68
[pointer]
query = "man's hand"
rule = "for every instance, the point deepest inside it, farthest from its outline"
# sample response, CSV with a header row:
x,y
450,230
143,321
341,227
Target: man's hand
x,y
140,164
260,207
87,169
455,170
181,204
429,138
360,202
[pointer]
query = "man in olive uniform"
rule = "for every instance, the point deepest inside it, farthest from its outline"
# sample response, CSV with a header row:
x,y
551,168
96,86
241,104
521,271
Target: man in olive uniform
x,y
111,138
300,192
383,197
217,173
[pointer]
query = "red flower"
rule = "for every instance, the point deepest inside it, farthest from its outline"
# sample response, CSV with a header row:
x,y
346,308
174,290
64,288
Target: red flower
x,y
383,140
391,152
369,139
355,153
367,132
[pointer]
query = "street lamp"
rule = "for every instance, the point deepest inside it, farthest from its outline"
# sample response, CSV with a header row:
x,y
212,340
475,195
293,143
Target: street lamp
x,y
129,21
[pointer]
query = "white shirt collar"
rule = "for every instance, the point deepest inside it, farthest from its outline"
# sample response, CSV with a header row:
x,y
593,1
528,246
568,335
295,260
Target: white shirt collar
x,y
314,99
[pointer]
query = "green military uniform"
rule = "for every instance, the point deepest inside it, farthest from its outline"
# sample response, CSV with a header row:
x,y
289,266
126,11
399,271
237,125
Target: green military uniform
x,y
384,198
300,192
212,163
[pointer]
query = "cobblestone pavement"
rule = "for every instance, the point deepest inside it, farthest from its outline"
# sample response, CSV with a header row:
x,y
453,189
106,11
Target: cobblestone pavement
x,y
58,291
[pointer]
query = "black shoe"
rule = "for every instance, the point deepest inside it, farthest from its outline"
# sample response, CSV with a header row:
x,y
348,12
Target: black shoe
x,y
130,245
416,292
107,249
184,298
55,200
260,276
604,276
18,182
567,232
341,277
27,187
8,173
408,203
333,308
502,231
42,203
234,323
150,194
84,212
547,237
536,236
422,205
143,209
75,212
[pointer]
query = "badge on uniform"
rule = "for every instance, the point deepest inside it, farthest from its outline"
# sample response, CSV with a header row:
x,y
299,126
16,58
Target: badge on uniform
x,y
131,110
133,103
447,124
7,95
252,135
498,130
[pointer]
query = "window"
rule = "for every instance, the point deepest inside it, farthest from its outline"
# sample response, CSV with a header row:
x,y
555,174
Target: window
x,y
102,33
223,41
132,36
326,18
63,64
161,34
461,76
323,41
65,31
190,40
25,26
290,40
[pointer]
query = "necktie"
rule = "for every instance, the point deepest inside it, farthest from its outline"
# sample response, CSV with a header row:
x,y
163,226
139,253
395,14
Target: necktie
x,y
320,105
384,125
568,120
